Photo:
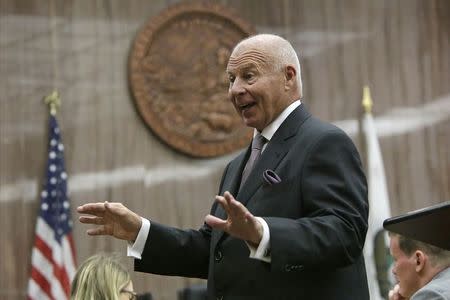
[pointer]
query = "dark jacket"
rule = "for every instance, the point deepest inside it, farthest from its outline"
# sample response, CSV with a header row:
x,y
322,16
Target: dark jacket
x,y
317,217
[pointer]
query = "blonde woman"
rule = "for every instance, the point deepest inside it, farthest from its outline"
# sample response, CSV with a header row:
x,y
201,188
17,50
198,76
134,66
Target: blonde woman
x,y
102,277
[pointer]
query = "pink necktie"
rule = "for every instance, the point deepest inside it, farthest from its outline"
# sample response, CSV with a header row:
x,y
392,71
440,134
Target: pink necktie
x,y
257,144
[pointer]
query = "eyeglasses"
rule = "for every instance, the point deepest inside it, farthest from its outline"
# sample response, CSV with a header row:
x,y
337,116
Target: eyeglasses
x,y
133,295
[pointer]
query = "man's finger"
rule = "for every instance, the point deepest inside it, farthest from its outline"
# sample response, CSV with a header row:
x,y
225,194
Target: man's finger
x,y
223,203
239,211
227,195
236,208
109,207
215,222
92,208
91,220
97,231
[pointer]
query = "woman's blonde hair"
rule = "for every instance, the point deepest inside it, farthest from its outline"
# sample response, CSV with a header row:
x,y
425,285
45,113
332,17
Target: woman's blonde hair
x,y
101,276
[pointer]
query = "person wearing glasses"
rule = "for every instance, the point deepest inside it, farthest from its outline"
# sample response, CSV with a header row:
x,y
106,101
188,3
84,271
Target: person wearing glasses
x,y
100,277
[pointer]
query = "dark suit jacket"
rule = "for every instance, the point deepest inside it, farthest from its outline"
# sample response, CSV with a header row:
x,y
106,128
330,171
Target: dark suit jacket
x,y
317,217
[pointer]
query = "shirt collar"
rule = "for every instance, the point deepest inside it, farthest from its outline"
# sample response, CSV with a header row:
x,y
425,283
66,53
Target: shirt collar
x,y
270,129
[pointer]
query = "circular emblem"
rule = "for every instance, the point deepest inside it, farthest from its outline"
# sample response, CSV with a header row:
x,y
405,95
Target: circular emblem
x,y
178,79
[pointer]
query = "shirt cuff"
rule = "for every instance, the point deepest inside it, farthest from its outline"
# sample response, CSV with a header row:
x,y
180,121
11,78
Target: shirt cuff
x,y
135,249
263,250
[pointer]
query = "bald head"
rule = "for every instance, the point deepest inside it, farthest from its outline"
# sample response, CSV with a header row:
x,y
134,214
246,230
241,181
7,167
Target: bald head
x,y
264,75
277,50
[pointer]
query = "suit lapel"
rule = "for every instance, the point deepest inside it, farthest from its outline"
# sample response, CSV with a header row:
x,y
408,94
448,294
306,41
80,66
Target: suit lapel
x,y
233,178
231,184
277,148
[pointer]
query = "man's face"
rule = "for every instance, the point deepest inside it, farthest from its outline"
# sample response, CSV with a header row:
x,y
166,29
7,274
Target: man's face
x,y
257,89
404,269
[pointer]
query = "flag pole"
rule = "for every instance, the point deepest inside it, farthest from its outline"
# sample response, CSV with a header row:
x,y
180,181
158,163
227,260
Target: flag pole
x,y
376,251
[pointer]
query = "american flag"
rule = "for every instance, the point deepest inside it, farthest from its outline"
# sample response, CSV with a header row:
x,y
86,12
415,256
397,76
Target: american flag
x,y
53,263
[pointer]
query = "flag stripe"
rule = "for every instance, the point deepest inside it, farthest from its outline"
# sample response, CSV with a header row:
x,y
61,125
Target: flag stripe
x,y
43,248
35,292
43,266
42,282
61,274
58,291
69,250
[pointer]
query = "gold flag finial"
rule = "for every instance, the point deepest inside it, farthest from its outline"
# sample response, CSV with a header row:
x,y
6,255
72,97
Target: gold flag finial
x,y
53,101
367,100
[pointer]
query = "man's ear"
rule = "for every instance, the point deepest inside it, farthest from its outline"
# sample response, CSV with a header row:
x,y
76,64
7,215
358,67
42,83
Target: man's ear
x,y
421,260
290,77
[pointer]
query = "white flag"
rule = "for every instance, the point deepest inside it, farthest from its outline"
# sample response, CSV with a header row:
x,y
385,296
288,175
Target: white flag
x,y
376,249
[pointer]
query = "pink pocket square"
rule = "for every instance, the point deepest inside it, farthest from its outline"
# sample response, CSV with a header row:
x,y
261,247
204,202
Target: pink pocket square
x,y
270,177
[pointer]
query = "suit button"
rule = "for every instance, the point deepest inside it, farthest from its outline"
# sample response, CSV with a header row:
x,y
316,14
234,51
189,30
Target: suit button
x,y
218,256
290,268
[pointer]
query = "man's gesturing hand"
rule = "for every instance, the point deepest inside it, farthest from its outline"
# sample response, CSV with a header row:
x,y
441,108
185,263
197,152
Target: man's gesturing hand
x,y
240,222
112,219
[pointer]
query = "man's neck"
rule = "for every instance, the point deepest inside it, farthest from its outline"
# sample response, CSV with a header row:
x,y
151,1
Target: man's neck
x,y
270,129
431,273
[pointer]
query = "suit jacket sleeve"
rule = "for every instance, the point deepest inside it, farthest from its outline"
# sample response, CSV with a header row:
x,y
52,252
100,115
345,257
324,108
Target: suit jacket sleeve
x,y
176,252
172,251
334,209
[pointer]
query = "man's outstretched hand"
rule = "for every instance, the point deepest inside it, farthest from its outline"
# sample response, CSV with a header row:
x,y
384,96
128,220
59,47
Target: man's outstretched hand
x,y
111,219
240,223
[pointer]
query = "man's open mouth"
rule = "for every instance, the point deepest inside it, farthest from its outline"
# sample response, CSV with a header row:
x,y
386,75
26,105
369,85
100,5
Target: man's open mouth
x,y
247,106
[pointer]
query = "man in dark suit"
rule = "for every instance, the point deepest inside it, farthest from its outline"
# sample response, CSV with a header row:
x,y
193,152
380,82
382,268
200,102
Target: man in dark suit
x,y
290,219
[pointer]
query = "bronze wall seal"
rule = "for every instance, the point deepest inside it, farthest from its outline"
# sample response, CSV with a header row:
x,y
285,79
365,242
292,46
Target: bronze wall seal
x,y
178,79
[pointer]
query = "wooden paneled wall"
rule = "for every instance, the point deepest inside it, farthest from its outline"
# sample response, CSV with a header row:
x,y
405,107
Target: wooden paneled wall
x,y
400,48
